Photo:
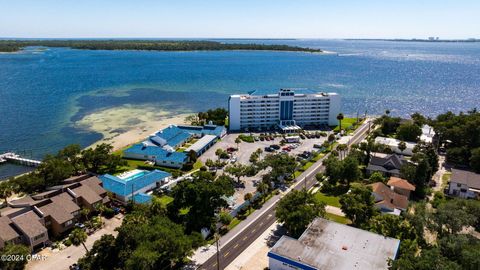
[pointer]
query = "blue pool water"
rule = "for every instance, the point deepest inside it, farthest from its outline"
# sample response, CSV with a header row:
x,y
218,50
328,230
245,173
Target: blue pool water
x,y
43,92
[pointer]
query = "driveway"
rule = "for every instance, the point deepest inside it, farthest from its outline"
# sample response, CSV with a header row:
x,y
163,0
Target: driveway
x,y
62,259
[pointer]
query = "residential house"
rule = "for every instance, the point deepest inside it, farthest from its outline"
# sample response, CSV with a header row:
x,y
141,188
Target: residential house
x,y
8,234
387,165
387,200
464,184
32,227
30,219
400,186
60,213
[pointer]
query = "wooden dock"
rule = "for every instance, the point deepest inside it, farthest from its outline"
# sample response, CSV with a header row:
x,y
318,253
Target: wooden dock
x,y
14,158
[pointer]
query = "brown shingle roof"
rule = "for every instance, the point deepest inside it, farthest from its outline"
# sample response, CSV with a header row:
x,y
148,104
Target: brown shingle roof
x,y
94,183
471,179
60,208
87,194
66,201
7,233
29,223
25,201
56,212
389,197
400,183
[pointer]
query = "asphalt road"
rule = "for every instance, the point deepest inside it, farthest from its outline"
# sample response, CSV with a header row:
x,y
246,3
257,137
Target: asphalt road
x,y
238,244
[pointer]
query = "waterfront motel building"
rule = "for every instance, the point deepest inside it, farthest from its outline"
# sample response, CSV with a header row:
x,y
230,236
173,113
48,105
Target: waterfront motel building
x,y
288,109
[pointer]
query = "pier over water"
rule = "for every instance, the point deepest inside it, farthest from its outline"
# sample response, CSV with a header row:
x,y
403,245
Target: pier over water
x,y
14,158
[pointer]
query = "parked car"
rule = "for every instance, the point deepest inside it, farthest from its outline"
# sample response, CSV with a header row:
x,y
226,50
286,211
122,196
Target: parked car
x,y
317,146
302,136
231,149
268,149
233,159
275,146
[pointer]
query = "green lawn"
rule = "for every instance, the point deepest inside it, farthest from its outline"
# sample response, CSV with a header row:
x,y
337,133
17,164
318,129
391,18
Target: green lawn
x,y
330,200
346,123
339,219
165,199
445,179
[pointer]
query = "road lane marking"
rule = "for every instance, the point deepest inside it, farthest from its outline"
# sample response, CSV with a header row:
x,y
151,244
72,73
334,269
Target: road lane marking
x,y
226,254
245,238
235,246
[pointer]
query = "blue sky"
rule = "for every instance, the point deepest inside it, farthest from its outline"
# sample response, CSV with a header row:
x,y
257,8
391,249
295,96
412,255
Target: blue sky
x,y
245,18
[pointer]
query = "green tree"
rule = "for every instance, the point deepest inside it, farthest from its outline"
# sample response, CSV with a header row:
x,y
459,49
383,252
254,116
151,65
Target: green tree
x,y
248,198
418,119
53,170
203,196
78,237
358,205
475,160
351,171
402,146
297,209
72,154
152,243
451,217
409,132
392,226
17,251
6,190
225,218
238,170
101,160
376,177
263,188
102,256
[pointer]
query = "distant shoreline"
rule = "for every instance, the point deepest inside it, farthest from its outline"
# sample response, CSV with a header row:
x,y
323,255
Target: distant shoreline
x,y
149,45
418,40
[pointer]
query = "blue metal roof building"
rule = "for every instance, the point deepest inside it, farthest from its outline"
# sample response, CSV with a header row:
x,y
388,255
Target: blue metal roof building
x,y
137,182
160,147
173,135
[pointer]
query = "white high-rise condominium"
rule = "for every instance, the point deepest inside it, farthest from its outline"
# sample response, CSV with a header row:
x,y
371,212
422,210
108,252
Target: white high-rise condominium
x,y
288,109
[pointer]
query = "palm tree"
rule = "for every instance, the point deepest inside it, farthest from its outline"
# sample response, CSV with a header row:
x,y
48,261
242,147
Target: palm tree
x,y
340,118
263,189
341,149
78,237
248,197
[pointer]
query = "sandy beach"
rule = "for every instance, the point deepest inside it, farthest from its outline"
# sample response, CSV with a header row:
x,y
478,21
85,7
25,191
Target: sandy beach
x,y
126,125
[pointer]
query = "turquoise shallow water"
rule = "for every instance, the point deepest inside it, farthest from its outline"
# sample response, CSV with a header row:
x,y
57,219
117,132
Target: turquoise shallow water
x,y
43,92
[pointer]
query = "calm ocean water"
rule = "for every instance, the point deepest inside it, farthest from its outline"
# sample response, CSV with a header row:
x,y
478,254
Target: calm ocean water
x,y
43,92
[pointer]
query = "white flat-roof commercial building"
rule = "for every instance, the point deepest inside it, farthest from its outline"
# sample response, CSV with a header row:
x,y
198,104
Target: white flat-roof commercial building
x,y
328,245
288,109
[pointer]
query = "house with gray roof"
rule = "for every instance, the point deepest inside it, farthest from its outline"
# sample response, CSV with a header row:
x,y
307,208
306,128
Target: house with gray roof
x,y
32,228
8,234
387,165
464,184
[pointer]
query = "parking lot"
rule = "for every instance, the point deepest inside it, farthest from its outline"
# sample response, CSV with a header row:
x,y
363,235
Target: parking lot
x,y
245,150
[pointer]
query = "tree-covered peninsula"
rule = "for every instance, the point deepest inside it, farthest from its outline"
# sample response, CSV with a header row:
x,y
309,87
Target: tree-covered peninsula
x,y
147,45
